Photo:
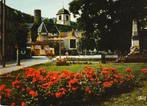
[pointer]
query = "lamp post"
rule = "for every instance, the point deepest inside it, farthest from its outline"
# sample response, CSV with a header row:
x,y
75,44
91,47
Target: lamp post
x,y
59,42
17,55
4,32
1,21
59,45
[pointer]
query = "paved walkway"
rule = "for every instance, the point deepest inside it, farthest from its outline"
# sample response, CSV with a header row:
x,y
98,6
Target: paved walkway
x,y
24,63
35,60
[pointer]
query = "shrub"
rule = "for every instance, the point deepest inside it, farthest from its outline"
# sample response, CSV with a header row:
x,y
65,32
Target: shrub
x,y
61,61
40,87
144,73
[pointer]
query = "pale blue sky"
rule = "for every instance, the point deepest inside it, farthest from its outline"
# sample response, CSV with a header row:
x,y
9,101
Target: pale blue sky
x,y
49,7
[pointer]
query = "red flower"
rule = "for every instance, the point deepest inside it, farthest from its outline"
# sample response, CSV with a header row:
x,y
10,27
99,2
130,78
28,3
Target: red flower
x,y
30,72
34,80
88,90
91,79
105,69
78,75
8,92
42,71
33,93
107,84
73,81
73,84
128,70
113,69
48,93
105,72
130,76
0,97
63,90
58,94
16,83
2,87
117,76
144,71
22,103
47,85
74,88
13,104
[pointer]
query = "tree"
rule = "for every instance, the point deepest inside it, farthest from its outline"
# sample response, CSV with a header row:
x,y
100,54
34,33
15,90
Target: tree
x,y
34,32
108,21
21,35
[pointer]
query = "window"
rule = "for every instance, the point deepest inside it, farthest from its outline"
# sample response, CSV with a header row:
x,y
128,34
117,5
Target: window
x,y
59,17
42,47
67,18
73,43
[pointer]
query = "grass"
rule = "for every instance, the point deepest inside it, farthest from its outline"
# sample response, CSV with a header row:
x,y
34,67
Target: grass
x,y
136,67
130,98
79,67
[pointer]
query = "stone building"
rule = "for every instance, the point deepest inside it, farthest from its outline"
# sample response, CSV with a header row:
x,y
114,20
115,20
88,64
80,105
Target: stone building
x,y
55,36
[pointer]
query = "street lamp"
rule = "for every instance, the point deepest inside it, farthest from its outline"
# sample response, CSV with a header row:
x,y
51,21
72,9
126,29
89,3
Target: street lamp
x,y
17,55
1,21
59,42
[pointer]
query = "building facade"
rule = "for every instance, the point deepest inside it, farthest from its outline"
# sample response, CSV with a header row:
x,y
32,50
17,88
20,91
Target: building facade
x,y
13,20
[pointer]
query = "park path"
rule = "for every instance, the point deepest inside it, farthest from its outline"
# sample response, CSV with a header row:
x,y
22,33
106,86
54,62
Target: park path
x,y
35,60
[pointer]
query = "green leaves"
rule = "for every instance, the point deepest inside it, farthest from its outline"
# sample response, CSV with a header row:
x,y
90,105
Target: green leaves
x,y
111,20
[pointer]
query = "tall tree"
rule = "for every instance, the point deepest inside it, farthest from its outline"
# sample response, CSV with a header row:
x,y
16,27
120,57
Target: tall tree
x,y
108,21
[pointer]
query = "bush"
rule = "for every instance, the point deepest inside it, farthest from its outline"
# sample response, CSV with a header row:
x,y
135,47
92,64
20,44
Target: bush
x,y
61,61
40,87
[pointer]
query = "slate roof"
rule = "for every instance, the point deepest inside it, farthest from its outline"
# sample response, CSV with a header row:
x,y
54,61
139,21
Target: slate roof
x,y
53,28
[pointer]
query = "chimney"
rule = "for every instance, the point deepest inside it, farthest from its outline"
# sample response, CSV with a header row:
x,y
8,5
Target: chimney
x,y
37,16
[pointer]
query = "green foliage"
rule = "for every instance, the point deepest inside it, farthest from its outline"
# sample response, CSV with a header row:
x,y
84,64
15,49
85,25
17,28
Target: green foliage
x,y
49,21
51,26
109,20
34,32
21,35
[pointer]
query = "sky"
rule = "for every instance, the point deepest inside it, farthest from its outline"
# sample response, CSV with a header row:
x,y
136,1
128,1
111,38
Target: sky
x,y
49,8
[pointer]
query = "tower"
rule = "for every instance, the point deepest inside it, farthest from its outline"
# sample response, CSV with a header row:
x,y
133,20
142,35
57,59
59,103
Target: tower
x,y
63,17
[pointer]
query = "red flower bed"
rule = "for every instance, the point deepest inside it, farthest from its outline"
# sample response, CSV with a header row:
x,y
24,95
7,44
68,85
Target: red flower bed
x,y
43,87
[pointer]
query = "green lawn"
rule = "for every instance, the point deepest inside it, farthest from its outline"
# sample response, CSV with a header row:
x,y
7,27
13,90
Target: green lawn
x,y
80,67
136,97
136,67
